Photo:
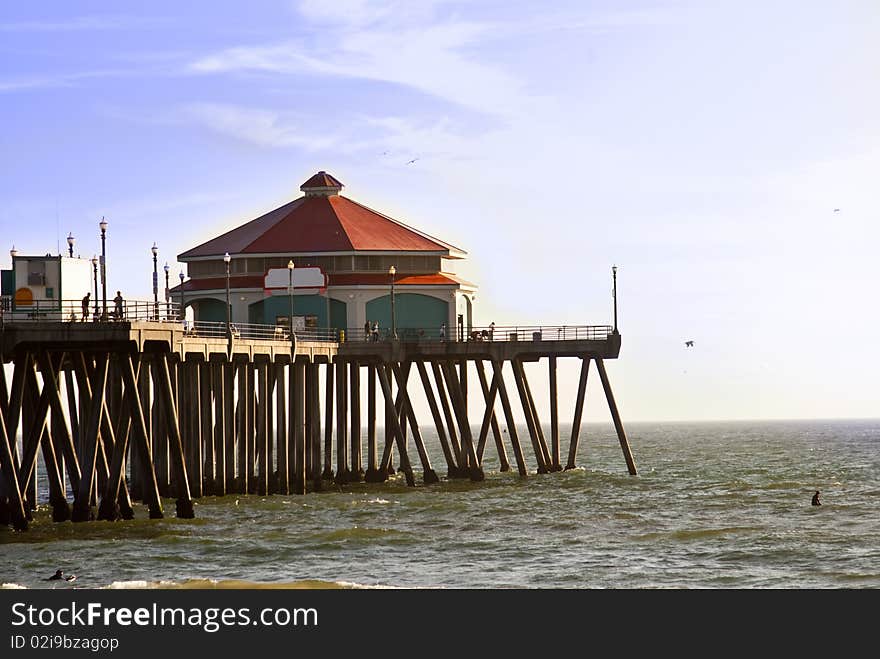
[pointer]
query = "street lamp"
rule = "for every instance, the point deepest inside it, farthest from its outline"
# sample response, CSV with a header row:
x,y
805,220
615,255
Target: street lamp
x,y
95,267
290,267
70,241
103,225
226,260
614,293
155,251
393,271
182,305
167,268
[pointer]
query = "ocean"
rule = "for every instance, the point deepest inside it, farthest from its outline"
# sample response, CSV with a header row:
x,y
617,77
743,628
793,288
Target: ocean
x,y
715,505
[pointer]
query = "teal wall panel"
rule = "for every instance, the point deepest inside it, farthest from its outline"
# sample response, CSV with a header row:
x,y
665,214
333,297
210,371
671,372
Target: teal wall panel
x,y
209,310
413,312
266,311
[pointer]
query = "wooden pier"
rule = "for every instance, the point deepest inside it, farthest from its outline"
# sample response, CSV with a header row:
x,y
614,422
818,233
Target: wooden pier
x,y
133,412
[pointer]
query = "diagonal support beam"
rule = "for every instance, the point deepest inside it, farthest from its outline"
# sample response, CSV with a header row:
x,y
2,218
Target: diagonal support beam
x,y
497,368
615,415
391,416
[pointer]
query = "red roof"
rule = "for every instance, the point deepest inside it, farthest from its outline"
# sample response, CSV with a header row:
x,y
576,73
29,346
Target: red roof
x,y
320,223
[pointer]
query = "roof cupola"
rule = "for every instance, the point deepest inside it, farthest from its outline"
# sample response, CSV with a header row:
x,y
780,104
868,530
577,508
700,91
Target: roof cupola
x,y
321,184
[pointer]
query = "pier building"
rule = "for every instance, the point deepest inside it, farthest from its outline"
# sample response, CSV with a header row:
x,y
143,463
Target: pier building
x,y
141,407
346,258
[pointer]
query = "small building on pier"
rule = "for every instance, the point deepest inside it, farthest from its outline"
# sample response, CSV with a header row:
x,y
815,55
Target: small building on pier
x,y
360,255
48,287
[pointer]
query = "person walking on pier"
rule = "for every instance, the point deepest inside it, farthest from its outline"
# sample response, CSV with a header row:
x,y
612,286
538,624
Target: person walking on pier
x,y
367,331
118,301
375,330
443,332
492,330
85,306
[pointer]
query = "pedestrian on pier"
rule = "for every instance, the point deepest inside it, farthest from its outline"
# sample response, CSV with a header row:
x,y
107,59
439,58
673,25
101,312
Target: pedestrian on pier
x,y
375,330
492,330
367,331
443,332
118,300
85,306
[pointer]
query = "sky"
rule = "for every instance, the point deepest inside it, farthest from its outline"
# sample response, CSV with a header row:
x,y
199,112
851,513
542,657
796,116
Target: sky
x,y
723,155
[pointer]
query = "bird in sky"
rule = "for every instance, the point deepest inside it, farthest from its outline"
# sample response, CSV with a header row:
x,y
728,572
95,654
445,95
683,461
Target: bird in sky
x,y
836,210
412,161
689,344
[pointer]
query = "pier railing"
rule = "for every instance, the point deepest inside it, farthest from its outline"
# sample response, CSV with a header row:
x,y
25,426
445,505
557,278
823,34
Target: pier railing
x,y
169,312
487,333
72,311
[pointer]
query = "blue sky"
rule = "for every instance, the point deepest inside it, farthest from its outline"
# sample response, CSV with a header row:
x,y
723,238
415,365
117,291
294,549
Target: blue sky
x,y
702,147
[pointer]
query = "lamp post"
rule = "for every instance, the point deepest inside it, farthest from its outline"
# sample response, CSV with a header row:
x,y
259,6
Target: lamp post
x,y
182,305
95,267
226,260
70,241
155,251
167,268
103,225
290,267
614,294
393,271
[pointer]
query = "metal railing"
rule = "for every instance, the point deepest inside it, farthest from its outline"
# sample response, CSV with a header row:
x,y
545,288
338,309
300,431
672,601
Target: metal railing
x,y
169,312
488,333
258,332
74,311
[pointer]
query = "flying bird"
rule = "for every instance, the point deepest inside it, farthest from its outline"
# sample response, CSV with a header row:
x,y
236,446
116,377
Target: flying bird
x,y
836,210
689,344
412,161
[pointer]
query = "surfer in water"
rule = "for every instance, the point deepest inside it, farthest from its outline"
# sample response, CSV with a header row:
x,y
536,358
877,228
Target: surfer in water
x,y
60,575
816,501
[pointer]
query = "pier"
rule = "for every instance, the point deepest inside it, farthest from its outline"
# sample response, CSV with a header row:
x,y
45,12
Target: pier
x,y
135,411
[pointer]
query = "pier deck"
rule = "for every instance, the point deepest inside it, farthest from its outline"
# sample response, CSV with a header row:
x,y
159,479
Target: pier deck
x,y
146,409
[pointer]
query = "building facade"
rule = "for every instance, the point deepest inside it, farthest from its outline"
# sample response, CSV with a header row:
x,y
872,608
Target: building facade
x,y
346,258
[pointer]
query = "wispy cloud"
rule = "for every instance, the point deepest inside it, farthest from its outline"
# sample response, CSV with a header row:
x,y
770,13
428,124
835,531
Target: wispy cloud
x,y
61,80
431,58
85,23
258,126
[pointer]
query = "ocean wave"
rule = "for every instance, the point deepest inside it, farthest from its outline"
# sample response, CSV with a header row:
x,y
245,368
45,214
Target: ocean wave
x,y
12,586
236,584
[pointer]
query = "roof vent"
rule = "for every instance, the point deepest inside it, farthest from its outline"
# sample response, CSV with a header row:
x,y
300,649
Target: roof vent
x,y
321,184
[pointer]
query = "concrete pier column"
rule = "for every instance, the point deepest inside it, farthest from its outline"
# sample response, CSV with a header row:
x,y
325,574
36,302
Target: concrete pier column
x,y
139,418
454,445
175,448
262,424
497,367
373,473
504,464
327,472
357,470
342,472
229,425
531,423
578,412
281,429
472,464
555,464
451,464
299,414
